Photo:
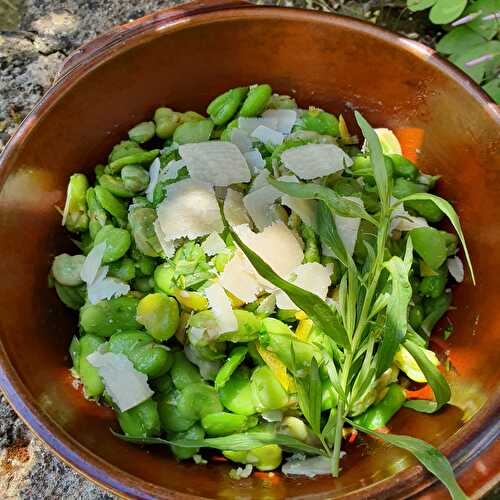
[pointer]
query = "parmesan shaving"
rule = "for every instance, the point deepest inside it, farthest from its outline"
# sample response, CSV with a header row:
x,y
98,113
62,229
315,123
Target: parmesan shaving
x,y
221,307
154,174
299,465
103,288
167,246
315,160
126,386
213,244
234,209
171,170
348,227
456,268
285,118
190,210
305,209
248,125
267,135
92,263
254,160
241,140
259,203
218,163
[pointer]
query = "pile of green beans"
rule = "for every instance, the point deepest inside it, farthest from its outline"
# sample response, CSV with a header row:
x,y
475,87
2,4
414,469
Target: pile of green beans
x,y
206,388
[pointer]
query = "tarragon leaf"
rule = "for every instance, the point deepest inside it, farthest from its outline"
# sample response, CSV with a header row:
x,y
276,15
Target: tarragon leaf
x,y
325,226
316,308
431,458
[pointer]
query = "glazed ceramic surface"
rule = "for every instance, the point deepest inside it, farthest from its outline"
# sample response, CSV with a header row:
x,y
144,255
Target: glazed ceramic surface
x,y
182,58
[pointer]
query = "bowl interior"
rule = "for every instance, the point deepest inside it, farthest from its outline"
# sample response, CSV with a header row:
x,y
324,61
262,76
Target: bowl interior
x,y
334,63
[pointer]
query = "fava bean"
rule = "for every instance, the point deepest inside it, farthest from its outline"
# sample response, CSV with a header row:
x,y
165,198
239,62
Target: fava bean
x,y
277,101
256,100
71,296
295,427
182,453
403,167
115,186
111,204
163,383
166,121
135,178
170,417
416,316
141,222
117,242
329,397
123,269
139,157
268,394
110,316
198,400
183,372
145,265
320,121
164,278
97,215
433,286
430,244
142,132
74,352
434,310
223,107
66,269
248,327
141,421
192,301
189,132
236,394
191,117
223,423
235,358
144,284
159,314
451,241
311,249
147,356
75,217
264,458
92,383
123,149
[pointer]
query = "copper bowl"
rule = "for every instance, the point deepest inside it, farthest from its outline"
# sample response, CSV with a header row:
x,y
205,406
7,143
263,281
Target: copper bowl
x,y
183,57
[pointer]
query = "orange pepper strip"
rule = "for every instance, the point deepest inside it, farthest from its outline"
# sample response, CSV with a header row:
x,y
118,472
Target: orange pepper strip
x,y
424,393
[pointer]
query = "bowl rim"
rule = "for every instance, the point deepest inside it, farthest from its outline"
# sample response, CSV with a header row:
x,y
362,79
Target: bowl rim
x,y
413,479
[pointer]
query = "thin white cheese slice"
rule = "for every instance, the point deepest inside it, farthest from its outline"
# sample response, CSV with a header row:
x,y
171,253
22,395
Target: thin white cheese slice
x,y
401,220
254,160
126,386
241,140
213,244
285,118
312,277
168,246
190,210
218,163
348,227
239,278
234,209
456,268
268,135
305,209
248,125
221,307
315,160
103,288
171,170
309,467
259,203
154,175
92,263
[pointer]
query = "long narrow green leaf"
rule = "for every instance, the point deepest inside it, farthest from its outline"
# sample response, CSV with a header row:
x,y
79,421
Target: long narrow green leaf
x,y
438,383
316,308
338,204
431,458
325,226
396,322
315,396
234,442
377,159
450,212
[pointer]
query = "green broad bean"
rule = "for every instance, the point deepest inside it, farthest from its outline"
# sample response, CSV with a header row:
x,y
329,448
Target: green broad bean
x,y
116,186
66,269
145,265
111,204
426,209
378,415
434,311
277,101
416,316
311,248
403,167
248,325
164,278
71,296
329,396
267,392
166,121
143,132
147,356
226,133
97,215
189,132
135,178
236,393
264,458
141,421
163,383
123,269
124,149
362,167
404,187
234,359
433,286
256,100
170,417
144,284
117,243
191,117
430,244
286,315
320,121
74,352
141,222
135,158
92,383
159,314
223,423
183,372
194,432
76,219
99,170
110,316
295,427
198,400
451,241
224,107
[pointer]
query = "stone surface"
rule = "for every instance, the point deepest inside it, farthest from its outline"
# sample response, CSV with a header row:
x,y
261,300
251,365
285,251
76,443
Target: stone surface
x,y
35,37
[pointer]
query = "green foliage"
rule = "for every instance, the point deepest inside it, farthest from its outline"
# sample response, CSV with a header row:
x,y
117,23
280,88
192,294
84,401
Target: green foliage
x,y
472,43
